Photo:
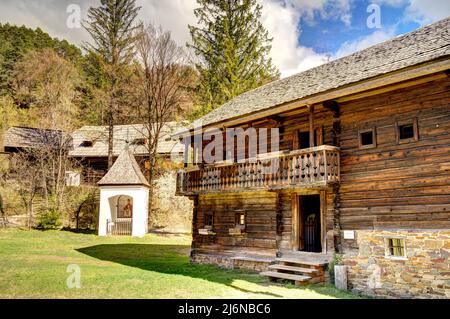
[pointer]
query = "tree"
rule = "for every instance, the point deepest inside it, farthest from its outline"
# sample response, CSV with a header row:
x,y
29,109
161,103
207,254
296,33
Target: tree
x,y
47,83
26,174
16,42
163,79
112,27
232,47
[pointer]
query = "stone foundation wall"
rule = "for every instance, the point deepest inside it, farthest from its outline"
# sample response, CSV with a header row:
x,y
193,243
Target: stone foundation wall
x,y
229,262
424,273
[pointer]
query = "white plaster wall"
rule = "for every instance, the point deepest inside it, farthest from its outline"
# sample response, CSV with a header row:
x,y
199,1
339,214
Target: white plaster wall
x,y
108,201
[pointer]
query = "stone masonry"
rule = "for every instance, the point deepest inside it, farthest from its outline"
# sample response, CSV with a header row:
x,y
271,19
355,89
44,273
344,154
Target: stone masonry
x,y
424,273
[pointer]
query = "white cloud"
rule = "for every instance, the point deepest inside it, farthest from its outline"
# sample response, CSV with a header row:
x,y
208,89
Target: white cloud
x,y
326,9
362,43
174,15
425,12
421,11
287,54
50,16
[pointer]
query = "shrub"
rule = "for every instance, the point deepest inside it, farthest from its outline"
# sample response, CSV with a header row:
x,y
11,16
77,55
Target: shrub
x,y
49,219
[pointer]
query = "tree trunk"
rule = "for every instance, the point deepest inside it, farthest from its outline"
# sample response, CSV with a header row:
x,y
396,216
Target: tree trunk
x,y
30,213
110,136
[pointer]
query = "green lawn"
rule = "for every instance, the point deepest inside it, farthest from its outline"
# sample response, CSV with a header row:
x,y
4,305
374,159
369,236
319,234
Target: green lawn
x,y
33,264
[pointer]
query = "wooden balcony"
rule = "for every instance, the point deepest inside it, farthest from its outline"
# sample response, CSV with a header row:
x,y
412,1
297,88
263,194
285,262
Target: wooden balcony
x,y
312,168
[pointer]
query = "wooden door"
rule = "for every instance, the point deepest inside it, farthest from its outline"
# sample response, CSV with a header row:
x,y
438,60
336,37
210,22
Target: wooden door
x,y
311,223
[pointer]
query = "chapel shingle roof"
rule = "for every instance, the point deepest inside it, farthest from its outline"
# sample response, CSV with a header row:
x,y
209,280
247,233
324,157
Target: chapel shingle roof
x,y
422,45
125,171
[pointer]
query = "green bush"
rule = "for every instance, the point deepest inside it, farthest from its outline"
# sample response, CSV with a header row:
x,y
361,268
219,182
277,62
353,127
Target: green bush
x,y
49,219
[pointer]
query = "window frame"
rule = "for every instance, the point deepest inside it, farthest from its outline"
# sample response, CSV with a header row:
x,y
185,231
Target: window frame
x,y
87,144
139,141
415,124
208,215
318,137
388,247
237,220
374,138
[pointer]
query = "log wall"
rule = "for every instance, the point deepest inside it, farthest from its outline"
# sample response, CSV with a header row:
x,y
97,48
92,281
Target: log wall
x,y
396,185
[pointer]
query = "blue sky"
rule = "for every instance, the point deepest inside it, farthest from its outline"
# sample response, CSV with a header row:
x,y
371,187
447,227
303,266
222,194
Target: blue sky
x,y
305,33
327,35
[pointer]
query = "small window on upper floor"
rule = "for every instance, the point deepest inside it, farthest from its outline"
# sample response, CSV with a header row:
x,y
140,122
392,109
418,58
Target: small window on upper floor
x,y
139,141
407,131
367,138
395,248
87,144
301,139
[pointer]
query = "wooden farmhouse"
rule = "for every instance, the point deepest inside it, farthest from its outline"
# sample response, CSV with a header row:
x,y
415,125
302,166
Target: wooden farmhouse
x,y
363,170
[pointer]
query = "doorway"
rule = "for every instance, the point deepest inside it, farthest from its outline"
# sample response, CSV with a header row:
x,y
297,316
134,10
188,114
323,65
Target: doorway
x,y
310,223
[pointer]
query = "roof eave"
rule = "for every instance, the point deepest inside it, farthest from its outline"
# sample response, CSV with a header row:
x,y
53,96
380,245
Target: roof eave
x,y
428,68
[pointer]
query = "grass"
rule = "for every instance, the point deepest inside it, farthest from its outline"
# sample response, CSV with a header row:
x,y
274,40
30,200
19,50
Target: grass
x,y
33,264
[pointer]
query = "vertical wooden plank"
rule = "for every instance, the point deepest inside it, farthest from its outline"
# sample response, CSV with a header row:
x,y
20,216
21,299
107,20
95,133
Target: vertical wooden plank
x,y
295,222
195,222
311,126
295,140
323,221
301,224
279,219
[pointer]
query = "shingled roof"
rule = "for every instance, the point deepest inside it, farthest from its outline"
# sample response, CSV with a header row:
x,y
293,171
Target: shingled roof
x,y
98,136
29,137
423,45
125,171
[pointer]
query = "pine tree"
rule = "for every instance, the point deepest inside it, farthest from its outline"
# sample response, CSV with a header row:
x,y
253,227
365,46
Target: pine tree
x,y
232,47
112,27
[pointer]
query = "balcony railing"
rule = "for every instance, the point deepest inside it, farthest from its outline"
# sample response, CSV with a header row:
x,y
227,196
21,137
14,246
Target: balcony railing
x,y
312,168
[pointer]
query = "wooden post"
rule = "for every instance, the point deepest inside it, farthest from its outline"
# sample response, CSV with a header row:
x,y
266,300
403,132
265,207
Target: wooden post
x,y
311,126
279,219
187,152
295,223
323,220
194,224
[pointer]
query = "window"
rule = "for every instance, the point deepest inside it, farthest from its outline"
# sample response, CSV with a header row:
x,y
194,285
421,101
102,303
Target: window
x,y
87,144
240,220
301,139
208,220
395,248
407,131
367,138
304,140
139,141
